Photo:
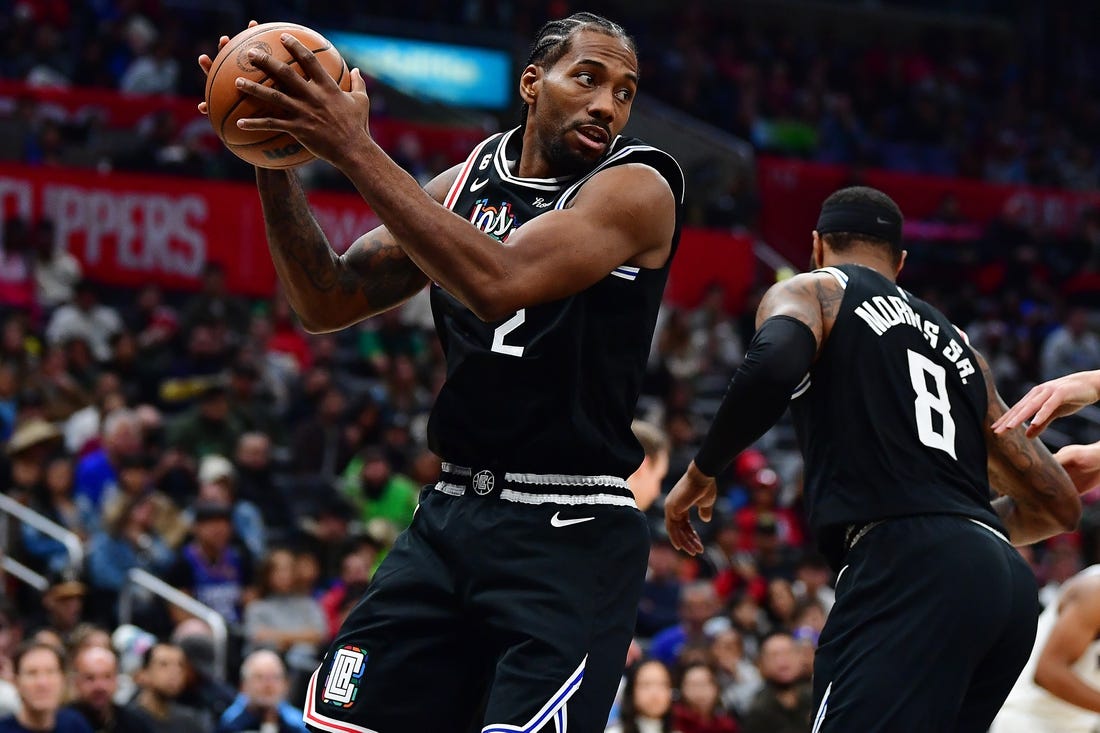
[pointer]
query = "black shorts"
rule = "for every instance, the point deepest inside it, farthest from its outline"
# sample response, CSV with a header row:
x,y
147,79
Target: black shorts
x,y
934,619
507,612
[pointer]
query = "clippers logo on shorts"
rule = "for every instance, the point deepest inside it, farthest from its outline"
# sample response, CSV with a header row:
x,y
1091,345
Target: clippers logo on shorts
x,y
483,482
496,221
342,683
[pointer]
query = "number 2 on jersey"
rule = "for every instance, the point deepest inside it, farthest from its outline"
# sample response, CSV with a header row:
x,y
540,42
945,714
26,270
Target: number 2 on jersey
x,y
506,328
927,402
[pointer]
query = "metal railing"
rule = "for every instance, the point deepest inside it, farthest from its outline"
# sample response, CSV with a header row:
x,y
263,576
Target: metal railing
x,y
73,546
139,578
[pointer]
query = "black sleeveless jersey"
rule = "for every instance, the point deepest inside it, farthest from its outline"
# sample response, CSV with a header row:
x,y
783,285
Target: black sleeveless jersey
x,y
552,388
890,418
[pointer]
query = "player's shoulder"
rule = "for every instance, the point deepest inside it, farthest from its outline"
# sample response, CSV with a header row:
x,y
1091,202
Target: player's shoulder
x,y
625,150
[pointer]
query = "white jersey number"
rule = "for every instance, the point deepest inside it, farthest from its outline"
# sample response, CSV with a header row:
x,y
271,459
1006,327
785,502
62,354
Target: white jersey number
x,y
927,402
506,328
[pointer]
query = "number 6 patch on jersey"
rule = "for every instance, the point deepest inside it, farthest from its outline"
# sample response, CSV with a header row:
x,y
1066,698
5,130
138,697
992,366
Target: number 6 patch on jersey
x,y
344,676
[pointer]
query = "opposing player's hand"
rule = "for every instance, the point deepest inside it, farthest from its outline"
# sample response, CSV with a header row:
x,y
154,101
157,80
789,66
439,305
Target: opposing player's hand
x,y
1050,401
325,119
693,489
1082,463
205,61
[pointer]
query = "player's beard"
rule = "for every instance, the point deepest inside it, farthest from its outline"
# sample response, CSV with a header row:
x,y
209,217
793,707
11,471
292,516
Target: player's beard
x,y
564,160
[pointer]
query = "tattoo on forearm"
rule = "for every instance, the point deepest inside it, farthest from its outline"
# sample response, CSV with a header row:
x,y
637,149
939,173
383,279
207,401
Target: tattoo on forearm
x,y
1019,467
381,271
293,233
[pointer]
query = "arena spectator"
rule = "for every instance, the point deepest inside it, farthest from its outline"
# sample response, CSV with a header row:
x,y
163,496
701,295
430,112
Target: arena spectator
x,y
56,272
699,709
645,482
658,607
321,445
62,608
356,568
214,304
284,618
378,491
262,704
784,705
98,470
11,635
160,683
40,680
1070,348
646,700
209,567
738,679
258,483
209,427
698,604
85,318
217,484
94,684
129,540
204,687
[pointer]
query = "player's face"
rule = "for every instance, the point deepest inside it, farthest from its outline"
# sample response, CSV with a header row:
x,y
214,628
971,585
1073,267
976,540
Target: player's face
x,y
583,101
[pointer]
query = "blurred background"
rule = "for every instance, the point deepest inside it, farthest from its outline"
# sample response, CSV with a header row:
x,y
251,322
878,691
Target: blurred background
x,y
165,418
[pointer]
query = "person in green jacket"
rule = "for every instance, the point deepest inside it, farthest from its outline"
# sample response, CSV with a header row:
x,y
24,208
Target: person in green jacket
x,y
377,491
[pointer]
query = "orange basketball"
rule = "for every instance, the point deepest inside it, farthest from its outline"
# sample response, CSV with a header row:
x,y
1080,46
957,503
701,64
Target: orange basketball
x,y
226,104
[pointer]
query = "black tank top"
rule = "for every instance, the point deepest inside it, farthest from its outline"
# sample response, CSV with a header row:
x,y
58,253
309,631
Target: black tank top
x,y
550,389
890,418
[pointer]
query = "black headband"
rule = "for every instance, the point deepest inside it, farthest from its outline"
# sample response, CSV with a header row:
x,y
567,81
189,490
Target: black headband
x,y
861,218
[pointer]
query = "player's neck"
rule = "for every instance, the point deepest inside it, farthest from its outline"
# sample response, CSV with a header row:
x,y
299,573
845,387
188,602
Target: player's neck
x,y
532,163
864,259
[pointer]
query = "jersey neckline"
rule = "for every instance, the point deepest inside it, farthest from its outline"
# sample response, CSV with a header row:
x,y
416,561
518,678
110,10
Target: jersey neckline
x,y
504,164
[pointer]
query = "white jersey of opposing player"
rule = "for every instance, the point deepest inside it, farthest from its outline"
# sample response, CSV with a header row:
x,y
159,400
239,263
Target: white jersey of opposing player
x,y
1031,709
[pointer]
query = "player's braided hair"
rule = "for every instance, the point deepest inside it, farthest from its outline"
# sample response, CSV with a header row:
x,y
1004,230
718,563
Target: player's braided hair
x,y
554,38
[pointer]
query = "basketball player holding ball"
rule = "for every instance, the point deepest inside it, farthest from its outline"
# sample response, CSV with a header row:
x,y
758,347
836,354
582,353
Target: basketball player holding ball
x,y
509,603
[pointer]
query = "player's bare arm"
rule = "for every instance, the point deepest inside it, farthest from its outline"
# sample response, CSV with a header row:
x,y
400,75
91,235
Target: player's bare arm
x,y
622,215
1048,401
793,321
326,290
1038,499
1077,626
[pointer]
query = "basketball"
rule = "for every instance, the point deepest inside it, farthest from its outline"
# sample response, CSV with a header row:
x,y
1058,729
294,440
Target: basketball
x,y
226,104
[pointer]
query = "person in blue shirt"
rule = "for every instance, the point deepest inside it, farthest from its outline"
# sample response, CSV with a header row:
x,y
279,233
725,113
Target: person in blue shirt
x,y
40,680
262,700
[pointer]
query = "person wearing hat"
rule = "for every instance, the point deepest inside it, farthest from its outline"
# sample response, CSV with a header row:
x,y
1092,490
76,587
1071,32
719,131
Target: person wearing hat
x,y
218,484
27,450
62,607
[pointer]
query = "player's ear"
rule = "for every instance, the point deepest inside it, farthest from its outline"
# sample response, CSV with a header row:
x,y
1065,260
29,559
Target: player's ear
x,y
817,256
901,262
529,82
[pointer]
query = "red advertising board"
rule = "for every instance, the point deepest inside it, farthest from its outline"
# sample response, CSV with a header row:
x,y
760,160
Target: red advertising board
x,y
791,193
130,230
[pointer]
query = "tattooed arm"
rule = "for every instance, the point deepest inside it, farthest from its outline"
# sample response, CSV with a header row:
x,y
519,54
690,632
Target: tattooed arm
x,y
326,290
1038,499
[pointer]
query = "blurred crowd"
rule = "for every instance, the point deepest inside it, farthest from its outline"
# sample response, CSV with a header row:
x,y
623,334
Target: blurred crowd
x,y
209,441
1013,100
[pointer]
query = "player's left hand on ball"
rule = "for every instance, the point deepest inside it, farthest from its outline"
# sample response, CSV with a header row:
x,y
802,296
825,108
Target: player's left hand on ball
x,y
325,119
693,489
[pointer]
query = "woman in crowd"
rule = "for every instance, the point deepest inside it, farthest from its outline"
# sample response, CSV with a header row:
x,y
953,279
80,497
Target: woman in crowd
x,y
700,707
647,700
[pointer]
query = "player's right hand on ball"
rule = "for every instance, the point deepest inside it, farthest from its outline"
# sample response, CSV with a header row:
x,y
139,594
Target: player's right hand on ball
x,y
205,61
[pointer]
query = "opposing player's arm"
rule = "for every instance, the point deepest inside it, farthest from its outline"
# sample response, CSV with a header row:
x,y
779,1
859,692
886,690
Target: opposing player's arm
x,y
1077,626
326,290
1038,499
793,322
1048,401
1082,463
626,214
